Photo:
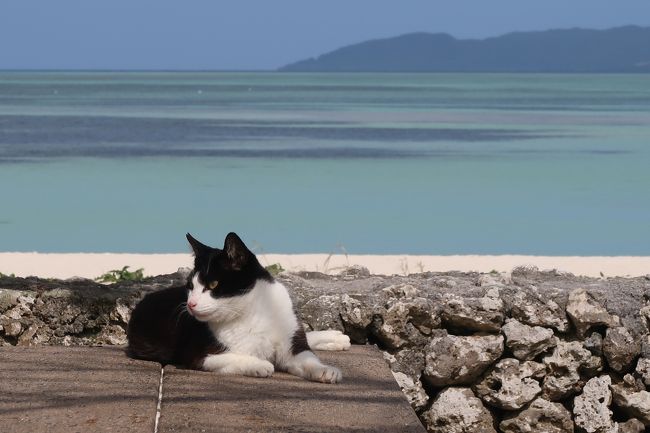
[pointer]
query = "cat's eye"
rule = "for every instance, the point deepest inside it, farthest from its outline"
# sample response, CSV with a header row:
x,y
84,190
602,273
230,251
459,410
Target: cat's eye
x,y
213,285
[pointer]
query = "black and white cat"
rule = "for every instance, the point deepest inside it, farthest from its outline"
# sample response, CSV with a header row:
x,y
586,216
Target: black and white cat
x,y
240,321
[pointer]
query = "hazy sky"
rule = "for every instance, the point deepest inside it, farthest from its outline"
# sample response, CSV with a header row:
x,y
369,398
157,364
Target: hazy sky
x,y
262,34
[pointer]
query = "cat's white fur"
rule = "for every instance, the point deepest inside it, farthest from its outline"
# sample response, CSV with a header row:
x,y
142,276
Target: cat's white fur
x,y
257,328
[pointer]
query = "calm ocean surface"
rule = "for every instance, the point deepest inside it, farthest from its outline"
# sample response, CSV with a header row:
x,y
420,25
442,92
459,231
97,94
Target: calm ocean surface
x,y
296,163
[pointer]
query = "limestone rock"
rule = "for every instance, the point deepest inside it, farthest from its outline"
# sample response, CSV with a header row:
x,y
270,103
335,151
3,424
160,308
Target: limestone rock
x,y
634,400
631,426
591,408
620,349
405,323
25,338
644,313
594,344
457,410
526,342
487,280
401,291
460,360
565,369
19,311
541,416
645,346
474,314
356,318
112,334
58,293
536,309
413,390
406,366
510,385
643,370
353,271
408,361
13,328
322,312
585,312
10,298
122,312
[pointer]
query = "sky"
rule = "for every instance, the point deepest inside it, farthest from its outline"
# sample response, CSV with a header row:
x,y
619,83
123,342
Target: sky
x,y
262,34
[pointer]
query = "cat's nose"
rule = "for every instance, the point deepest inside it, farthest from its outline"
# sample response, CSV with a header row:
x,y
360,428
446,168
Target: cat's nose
x,y
191,304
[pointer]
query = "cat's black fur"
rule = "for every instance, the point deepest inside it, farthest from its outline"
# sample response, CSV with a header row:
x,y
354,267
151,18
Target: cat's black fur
x,y
162,330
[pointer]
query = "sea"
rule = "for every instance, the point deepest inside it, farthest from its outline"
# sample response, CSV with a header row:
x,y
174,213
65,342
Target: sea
x,y
329,163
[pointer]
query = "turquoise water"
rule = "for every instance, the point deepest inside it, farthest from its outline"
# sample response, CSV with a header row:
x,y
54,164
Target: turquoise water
x,y
366,163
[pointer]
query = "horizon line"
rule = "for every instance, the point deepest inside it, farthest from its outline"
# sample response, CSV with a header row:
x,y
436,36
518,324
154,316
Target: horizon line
x,y
278,71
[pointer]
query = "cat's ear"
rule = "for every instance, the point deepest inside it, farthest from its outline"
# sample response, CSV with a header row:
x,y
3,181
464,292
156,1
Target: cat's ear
x,y
238,253
197,246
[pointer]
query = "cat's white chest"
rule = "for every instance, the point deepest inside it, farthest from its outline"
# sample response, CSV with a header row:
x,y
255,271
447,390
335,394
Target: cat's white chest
x,y
265,327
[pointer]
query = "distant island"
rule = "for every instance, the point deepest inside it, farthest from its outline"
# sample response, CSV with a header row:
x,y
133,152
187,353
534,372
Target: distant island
x,y
621,49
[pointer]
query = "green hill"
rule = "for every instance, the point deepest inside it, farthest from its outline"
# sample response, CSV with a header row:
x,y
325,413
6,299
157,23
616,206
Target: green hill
x,y
622,49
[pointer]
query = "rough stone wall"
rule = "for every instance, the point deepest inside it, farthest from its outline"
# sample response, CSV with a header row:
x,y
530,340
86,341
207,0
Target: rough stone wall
x,y
528,351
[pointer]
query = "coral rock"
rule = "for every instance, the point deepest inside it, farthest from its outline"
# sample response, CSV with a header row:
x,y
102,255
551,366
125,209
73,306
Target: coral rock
x,y
565,369
633,399
474,314
405,323
631,426
457,410
591,408
643,370
460,360
536,309
526,342
585,312
412,389
510,385
594,344
541,416
620,349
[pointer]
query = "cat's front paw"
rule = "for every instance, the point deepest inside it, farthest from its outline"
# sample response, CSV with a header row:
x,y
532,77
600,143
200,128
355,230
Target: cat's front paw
x,y
260,368
324,374
248,366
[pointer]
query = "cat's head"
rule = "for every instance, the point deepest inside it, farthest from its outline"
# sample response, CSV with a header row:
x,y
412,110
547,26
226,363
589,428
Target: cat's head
x,y
220,276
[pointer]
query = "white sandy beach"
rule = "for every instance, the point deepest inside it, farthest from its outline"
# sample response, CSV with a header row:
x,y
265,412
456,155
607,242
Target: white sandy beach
x,y
91,265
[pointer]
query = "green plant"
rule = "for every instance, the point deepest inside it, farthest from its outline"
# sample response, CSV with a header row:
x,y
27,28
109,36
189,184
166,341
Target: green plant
x,y
7,275
117,275
274,269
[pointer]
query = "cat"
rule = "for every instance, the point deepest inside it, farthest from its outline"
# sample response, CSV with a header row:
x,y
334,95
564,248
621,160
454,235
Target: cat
x,y
232,317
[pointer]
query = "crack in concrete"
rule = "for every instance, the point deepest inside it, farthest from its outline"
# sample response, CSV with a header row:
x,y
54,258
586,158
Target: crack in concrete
x,y
160,397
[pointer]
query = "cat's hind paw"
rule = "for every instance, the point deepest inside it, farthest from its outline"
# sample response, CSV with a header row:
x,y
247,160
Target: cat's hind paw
x,y
328,340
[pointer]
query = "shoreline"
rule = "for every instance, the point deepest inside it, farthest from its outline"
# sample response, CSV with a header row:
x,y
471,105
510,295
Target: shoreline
x,y
92,265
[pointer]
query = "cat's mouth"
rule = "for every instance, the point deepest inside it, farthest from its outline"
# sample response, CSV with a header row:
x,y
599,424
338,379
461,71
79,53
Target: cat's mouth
x,y
201,316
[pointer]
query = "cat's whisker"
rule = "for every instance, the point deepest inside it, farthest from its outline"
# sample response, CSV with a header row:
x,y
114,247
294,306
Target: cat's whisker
x,y
179,311
231,310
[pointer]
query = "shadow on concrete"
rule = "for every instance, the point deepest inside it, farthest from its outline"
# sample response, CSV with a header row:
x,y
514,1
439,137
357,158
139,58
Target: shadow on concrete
x,y
368,400
64,389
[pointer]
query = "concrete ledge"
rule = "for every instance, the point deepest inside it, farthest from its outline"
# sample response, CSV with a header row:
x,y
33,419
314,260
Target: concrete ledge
x,y
76,389
98,389
368,400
